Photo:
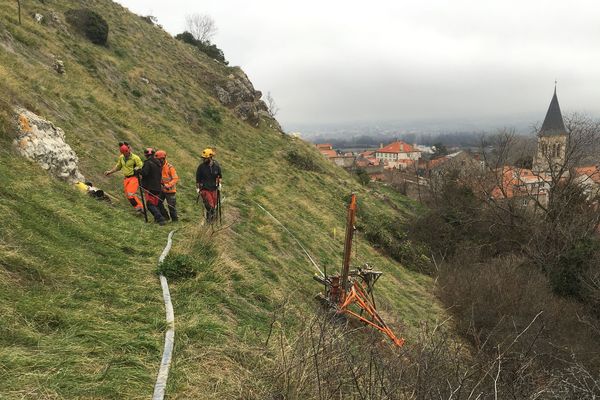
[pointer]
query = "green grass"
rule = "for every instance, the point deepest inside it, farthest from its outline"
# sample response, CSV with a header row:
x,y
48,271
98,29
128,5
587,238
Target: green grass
x,y
77,315
80,301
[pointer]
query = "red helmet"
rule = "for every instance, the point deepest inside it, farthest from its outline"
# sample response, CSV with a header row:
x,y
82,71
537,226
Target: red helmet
x,y
124,149
161,154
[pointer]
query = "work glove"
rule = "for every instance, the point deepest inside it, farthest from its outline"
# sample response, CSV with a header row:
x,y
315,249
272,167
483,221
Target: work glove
x,y
137,172
219,187
198,190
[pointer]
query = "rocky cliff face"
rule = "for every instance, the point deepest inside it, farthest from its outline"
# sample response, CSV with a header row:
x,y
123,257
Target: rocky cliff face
x,y
238,93
40,141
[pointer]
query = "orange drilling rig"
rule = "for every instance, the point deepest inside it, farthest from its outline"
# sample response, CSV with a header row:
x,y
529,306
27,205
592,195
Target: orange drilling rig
x,y
351,291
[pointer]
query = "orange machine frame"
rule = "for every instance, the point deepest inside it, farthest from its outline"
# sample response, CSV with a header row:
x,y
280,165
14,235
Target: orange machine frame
x,y
347,289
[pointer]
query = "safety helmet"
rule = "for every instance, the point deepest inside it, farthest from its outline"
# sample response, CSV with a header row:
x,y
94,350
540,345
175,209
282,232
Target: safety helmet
x,y
160,154
124,149
207,153
149,151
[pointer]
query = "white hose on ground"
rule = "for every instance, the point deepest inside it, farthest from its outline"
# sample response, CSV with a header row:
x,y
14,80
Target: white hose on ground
x,y
163,372
293,237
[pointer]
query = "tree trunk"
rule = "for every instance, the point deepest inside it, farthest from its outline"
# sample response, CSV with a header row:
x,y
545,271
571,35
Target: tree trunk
x,y
19,6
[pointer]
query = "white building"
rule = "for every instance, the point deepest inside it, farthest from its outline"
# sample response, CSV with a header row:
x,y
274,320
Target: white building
x,y
398,155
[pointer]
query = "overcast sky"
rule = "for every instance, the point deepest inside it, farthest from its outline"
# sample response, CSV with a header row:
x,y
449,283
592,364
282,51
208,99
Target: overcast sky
x,y
352,61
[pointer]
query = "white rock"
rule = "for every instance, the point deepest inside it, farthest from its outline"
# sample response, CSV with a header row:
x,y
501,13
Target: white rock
x,y
40,141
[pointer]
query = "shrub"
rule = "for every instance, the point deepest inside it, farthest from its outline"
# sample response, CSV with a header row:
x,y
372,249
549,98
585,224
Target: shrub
x,y
302,160
362,176
180,266
566,277
499,298
390,236
206,46
187,37
211,113
89,23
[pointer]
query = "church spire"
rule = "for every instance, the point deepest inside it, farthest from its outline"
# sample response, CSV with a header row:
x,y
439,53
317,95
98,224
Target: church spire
x,y
553,123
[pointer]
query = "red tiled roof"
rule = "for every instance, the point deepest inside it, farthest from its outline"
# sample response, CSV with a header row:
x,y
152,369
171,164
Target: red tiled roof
x,y
328,153
367,153
397,147
588,170
513,180
437,161
592,172
324,146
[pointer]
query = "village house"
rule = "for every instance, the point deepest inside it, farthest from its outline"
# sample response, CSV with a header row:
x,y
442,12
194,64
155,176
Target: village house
x,y
588,178
327,150
398,155
367,158
528,188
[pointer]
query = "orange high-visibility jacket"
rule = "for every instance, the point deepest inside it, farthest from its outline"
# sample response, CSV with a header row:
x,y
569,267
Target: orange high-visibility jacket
x,y
169,178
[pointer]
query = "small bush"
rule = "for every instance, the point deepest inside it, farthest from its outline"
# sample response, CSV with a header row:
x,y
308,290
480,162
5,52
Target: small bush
x,y
206,47
187,37
89,23
566,277
301,160
180,266
362,176
211,113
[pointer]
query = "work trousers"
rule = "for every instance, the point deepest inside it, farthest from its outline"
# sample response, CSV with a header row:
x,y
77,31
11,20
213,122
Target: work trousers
x,y
130,186
154,205
171,211
210,199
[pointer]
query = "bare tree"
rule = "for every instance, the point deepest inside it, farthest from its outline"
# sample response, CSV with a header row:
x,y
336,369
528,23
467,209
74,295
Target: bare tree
x,y
201,26
271,105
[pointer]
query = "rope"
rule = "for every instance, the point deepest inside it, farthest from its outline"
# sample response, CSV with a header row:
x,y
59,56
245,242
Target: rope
x,y
163,372
293,237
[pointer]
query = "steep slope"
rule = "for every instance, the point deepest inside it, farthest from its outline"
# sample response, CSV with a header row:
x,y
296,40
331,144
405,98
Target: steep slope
x,y
80,303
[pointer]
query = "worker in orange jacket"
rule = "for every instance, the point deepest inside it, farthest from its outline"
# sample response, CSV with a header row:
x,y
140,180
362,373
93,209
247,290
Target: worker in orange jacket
x,y
130,164
169,182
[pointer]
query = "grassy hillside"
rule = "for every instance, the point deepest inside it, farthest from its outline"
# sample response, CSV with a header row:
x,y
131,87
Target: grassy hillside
x,y
80,302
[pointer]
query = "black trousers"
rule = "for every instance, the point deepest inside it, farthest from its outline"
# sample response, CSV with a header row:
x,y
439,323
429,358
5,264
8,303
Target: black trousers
x,y
171,211
156,210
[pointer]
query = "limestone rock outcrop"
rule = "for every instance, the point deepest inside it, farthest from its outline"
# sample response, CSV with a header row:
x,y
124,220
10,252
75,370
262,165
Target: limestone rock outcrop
x,y
40,141
238,93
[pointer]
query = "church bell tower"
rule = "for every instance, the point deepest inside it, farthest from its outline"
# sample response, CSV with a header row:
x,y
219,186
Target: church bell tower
x,y
552,140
